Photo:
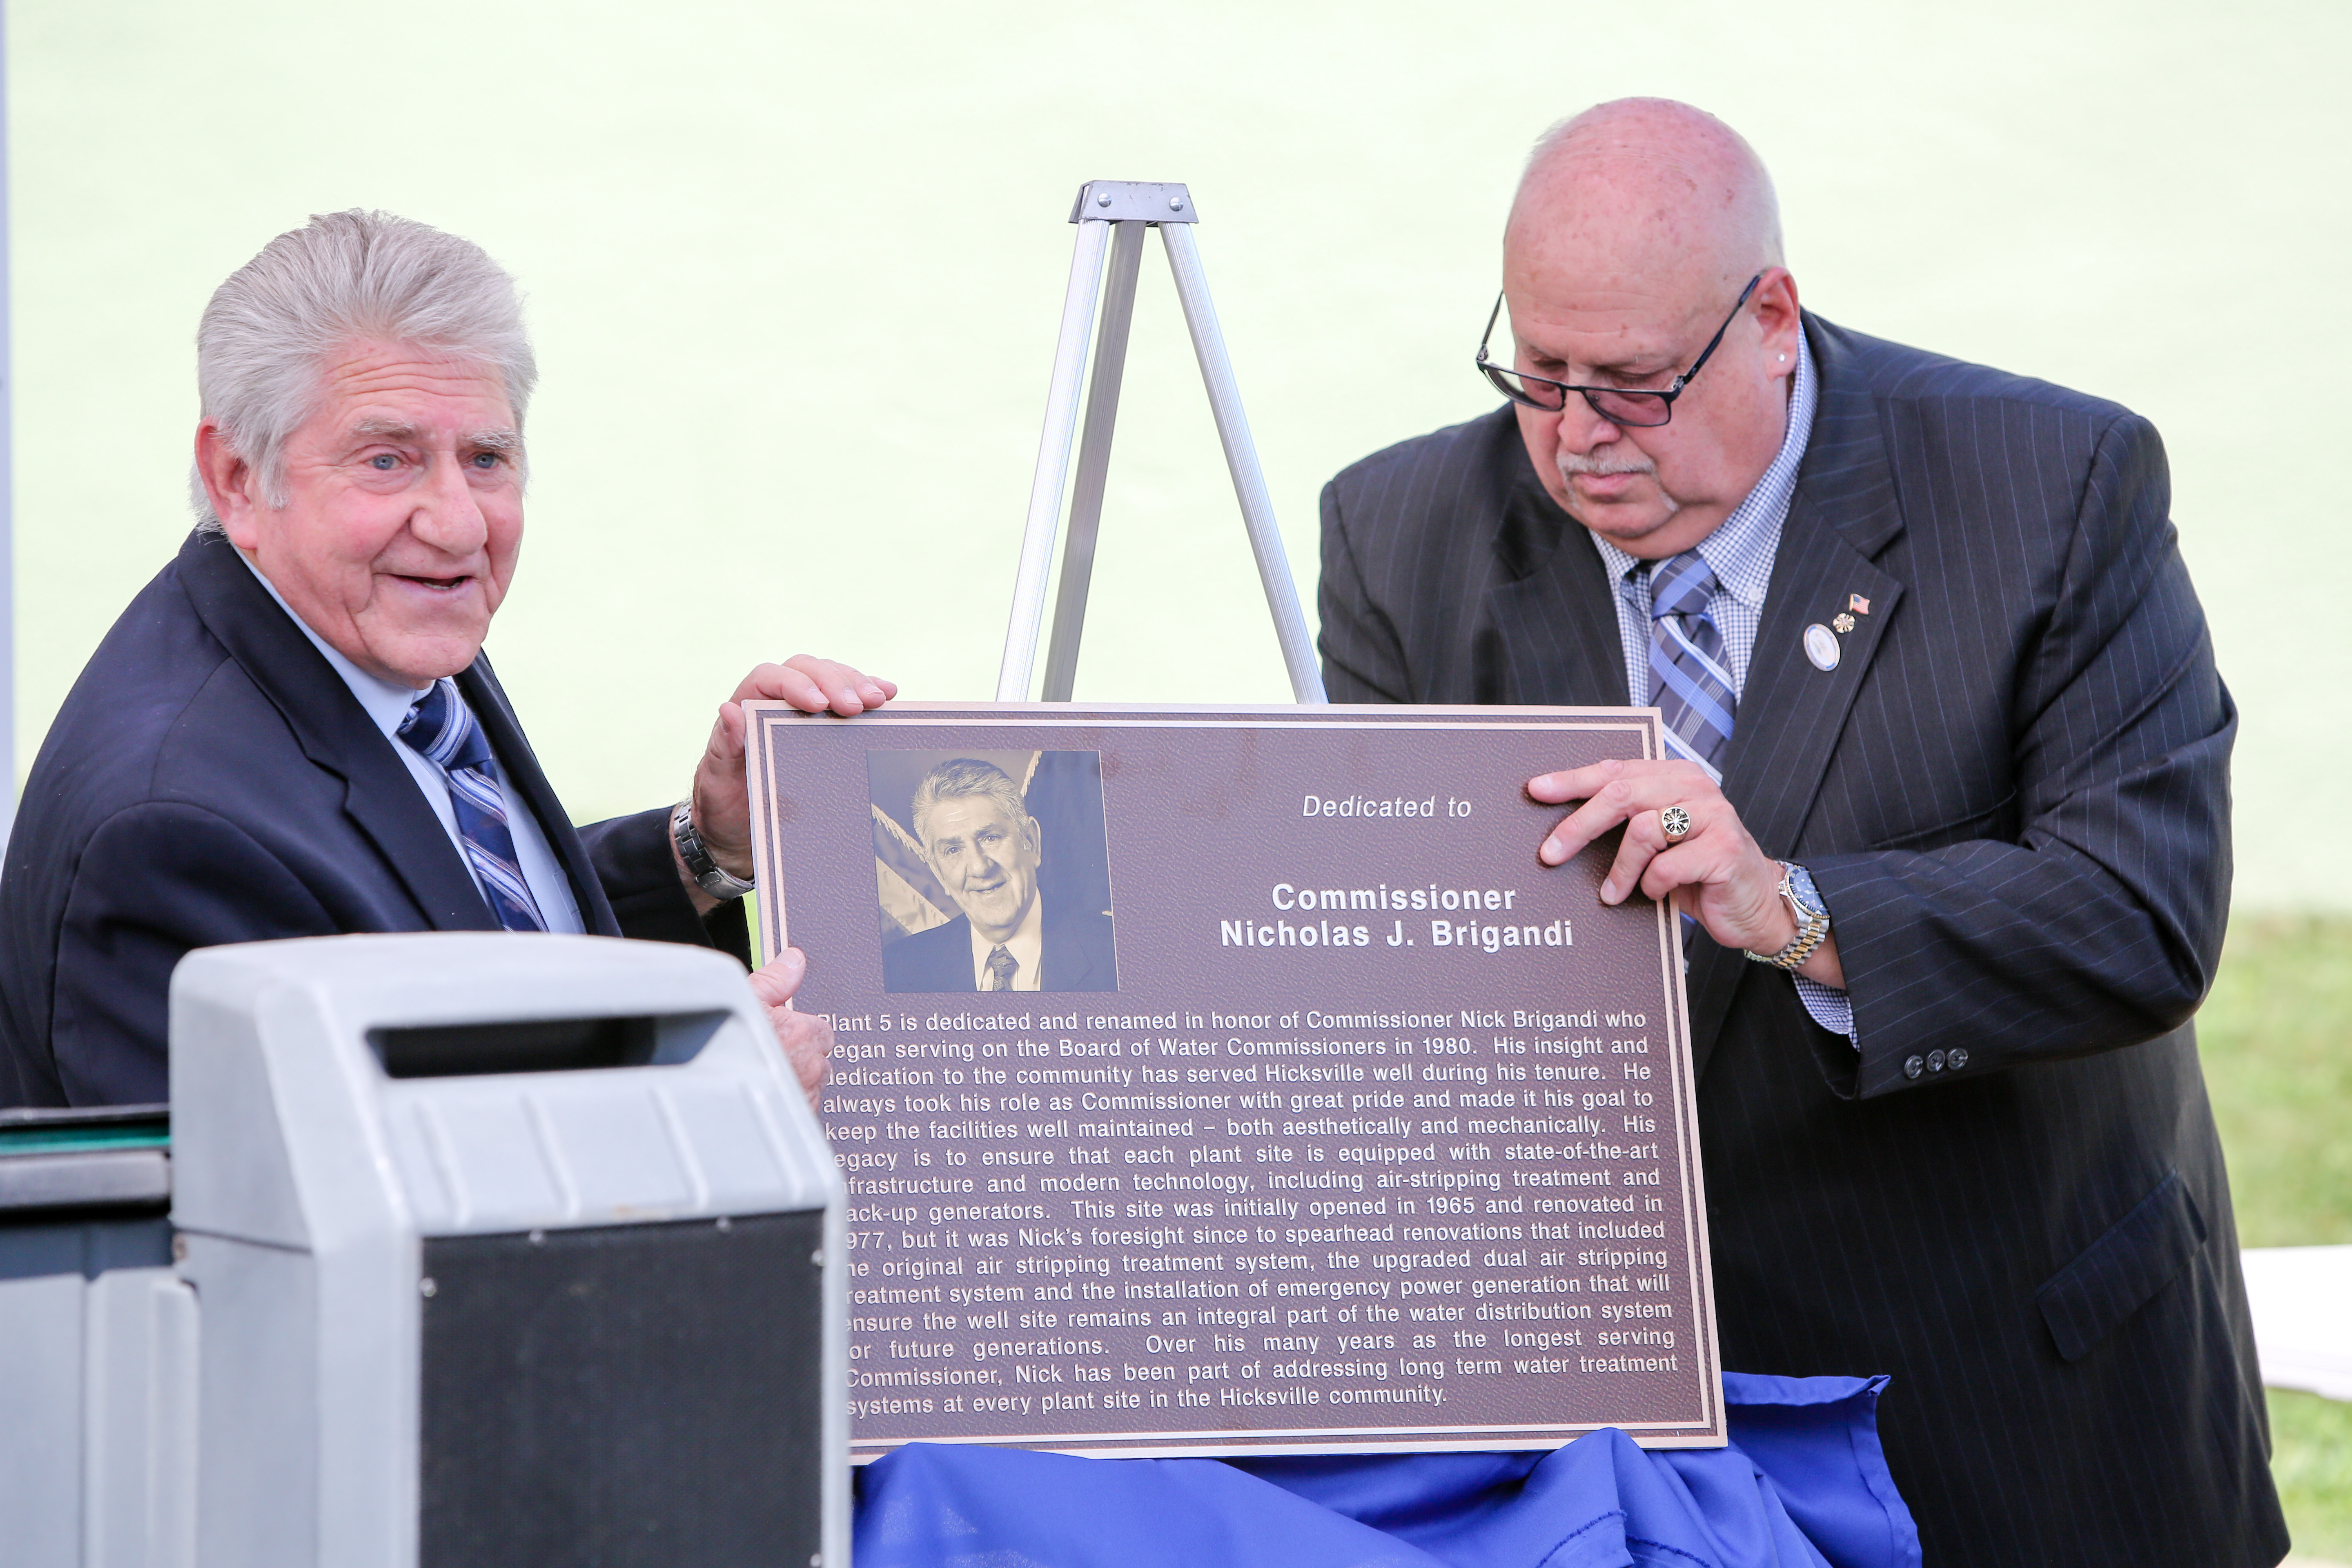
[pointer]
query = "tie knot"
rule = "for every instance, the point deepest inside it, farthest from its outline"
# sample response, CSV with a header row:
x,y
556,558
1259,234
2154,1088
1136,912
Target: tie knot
x,y
442,728
1681,586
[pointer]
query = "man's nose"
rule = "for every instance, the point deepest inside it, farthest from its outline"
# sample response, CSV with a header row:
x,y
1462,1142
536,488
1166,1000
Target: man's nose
x,y
448,514
1584,427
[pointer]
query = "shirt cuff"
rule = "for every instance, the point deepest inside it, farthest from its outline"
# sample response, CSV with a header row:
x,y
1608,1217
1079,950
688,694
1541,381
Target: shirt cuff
x,y
1831,1008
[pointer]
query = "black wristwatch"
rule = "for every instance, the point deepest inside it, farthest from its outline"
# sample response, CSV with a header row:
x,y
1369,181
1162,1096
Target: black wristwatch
x,y
708,874
1813,919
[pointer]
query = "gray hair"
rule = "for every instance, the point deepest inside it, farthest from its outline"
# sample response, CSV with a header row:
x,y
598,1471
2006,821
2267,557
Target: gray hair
x,y
967,776
274,328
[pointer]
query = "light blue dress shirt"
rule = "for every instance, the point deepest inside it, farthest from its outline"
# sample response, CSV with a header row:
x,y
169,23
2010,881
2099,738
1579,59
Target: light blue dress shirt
x,y
387,703
1740,552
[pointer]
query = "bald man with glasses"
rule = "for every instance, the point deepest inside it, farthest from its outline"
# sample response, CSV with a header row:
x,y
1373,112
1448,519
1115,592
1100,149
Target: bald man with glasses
x,y
1945,808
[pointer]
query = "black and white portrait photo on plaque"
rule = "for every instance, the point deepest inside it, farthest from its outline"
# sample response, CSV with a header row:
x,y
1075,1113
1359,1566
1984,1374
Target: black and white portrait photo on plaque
x,y
991,871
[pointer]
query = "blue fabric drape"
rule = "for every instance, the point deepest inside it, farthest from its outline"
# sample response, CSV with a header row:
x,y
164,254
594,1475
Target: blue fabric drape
x,y
1803,1483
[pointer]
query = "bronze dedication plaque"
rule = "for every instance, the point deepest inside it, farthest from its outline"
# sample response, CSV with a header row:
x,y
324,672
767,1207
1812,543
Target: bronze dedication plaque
x,y
1237,1081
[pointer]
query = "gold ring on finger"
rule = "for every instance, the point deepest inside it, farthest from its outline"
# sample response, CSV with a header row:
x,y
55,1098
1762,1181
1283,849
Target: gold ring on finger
x,y
1676,824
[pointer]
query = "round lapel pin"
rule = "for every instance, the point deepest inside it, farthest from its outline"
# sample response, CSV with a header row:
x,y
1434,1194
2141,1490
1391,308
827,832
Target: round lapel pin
x,y
1821,647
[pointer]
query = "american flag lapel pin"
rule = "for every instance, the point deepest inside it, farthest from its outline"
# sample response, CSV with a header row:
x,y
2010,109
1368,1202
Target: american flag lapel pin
x,y
1857,604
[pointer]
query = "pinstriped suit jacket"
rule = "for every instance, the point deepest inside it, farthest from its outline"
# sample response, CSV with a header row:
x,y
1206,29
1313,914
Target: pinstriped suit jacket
x,y
2013,793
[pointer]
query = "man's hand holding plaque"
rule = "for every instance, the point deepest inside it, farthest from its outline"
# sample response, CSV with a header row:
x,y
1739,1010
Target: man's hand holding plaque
x,y
1711,869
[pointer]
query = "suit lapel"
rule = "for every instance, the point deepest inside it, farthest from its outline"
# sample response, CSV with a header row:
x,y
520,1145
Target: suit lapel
x,y
1075,960
1845,513
1556,622
487,699
334,733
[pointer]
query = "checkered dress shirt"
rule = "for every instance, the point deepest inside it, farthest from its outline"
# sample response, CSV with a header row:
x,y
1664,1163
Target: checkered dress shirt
x,y
1739,553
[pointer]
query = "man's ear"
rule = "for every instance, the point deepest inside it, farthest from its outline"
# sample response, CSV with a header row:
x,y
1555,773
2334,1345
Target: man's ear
x,y
1036,838
228,485
1780,315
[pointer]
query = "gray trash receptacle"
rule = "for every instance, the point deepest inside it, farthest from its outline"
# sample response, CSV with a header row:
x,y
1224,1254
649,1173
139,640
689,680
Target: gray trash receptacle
x,y
506,1250
97,1344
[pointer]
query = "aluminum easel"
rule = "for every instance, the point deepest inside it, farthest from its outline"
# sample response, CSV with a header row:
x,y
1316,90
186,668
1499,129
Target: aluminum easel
x,y
1113,214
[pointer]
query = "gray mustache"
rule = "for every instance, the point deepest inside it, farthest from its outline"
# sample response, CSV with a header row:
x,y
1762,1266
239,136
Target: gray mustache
x,y
1569,463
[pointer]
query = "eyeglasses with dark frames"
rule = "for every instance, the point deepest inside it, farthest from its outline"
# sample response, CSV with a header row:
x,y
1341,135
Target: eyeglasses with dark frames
x,y
1642,408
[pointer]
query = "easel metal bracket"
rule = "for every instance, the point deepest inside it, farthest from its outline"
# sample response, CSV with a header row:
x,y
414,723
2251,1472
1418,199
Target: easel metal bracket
x,y
1133,201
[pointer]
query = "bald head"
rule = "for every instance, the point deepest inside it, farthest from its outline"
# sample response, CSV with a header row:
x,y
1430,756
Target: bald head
x,y
1647,186
1637,226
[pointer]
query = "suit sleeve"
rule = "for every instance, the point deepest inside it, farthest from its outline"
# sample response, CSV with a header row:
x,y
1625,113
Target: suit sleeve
x,y
154,881
639,875
1363,658
2101,925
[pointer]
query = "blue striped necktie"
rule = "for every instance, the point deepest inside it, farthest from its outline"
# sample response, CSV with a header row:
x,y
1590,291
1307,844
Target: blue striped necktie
x,y
442,729
1690,683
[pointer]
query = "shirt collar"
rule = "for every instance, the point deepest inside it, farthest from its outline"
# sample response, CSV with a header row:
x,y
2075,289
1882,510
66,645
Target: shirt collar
x,y
1741,548
387,703
1026,944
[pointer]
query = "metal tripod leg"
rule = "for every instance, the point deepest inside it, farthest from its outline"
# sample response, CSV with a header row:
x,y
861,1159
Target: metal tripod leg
x,y
1241,457
1130,207
1094,462
1053,464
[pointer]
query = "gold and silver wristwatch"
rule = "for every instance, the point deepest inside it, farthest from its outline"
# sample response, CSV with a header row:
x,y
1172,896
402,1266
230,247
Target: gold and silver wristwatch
x,y
1813,919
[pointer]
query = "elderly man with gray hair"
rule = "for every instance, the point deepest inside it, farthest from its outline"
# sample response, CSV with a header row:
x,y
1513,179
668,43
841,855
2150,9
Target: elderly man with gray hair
x,y
986,849
292,730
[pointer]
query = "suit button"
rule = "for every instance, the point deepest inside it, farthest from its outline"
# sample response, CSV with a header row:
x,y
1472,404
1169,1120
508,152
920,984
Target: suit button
x,y
1957,1060
1935,1061
1913,1066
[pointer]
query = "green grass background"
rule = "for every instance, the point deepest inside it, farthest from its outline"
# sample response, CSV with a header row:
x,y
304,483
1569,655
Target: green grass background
x,y
794,271
2274,1036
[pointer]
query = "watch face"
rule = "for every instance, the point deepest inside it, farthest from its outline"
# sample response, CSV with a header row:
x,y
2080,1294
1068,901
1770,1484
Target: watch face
x,y
1801,884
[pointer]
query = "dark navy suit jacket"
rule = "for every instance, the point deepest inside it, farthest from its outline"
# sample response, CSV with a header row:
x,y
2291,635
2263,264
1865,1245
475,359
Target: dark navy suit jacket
x,y
211,779
1078,956
2012,792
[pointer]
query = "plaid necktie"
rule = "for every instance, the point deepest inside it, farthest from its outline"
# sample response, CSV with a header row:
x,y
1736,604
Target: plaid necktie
x,y
442,729
1688,680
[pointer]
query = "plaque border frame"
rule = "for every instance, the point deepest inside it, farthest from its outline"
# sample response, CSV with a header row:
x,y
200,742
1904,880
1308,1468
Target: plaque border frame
x,y
1709,1431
